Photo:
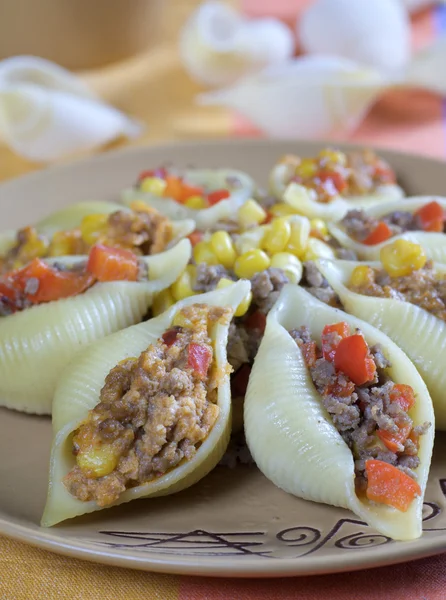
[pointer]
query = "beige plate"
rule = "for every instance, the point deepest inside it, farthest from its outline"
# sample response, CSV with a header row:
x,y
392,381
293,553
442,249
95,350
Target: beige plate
x,y
234,522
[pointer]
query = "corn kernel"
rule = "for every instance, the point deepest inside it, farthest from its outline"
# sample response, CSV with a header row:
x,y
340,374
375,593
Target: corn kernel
x,y
223,248
244,305
196,202
250,239
278,236
203,253
153,185
318,249
362,275
98,462
35,246
182,287
402,258
290,265
181,320
64,243
251,214
139,206
281,210
250,263
319,228
93,227
307,168
334,156
299,236
162,302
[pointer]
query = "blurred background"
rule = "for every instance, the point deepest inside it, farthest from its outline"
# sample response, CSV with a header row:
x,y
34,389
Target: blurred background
x,y
151,59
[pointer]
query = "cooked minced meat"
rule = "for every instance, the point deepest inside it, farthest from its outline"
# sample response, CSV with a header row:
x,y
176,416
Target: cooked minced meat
x,y
422,287
359,412
266,287
154,412
314,282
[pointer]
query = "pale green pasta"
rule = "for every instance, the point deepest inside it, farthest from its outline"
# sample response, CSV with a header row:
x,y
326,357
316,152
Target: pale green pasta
x,y
289,432
38,342
78,392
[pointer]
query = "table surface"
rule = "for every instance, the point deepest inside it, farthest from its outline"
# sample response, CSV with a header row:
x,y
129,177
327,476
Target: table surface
x,y
154,88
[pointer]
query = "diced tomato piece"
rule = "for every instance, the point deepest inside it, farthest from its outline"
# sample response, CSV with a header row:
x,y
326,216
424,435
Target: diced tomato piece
x,y
388,485
174,187
340,388
381,233
189,190
384,173
195,237
353,358
431,216
403,395
331,336
256,320
239,381
112,264
170,336
338,181
217,195
51,284
199,359
159,172
394,441
309,353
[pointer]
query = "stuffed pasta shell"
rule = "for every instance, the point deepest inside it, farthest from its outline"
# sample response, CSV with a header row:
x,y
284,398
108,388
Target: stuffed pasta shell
x,y
403,295
333,182
207,196
49,310
418,219
145,412
73,231
336,413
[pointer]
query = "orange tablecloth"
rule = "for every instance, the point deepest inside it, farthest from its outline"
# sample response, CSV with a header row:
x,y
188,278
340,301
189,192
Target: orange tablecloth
x,y
154,88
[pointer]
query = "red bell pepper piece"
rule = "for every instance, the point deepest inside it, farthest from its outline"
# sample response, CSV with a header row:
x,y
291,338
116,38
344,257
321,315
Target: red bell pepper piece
x,y
403,395
431,216
331,336
170,337
216,196
388,485
199,359
112,264
381,233
353,358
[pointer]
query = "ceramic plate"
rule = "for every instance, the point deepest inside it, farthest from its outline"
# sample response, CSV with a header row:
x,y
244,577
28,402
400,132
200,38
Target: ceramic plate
x,y
234,522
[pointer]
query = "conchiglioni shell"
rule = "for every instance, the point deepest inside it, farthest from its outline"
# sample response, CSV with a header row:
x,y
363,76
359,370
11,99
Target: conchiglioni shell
x,y
421,335
434,244
71,217
304,201
78,392
289,432
38,342
213,179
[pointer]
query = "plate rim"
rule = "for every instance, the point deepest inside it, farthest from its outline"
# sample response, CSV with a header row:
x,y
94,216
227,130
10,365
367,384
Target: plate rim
x,y
205,565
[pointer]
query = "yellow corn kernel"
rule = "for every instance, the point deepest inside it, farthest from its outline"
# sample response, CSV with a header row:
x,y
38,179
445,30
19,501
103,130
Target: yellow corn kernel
x,y
251,214
281,210
153,185
244,305
162,302
203,253
182,320
223,248
250,263
319,228
196,202
64,243
299,236
290,265
98,462
35,246
93,227
362,275
307,168
402,257
277,236
334,156
182,287
140,206
318,249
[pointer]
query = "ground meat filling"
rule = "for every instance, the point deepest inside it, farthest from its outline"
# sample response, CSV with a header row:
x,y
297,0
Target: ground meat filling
x,y
422,287
314,282
370,417
142,232
154,411
359,226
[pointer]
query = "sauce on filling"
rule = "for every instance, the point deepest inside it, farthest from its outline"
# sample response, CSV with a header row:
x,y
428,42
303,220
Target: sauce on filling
x,y
154,411
370,411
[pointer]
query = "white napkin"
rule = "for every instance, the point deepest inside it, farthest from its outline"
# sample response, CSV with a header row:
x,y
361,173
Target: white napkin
x,y
47,113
